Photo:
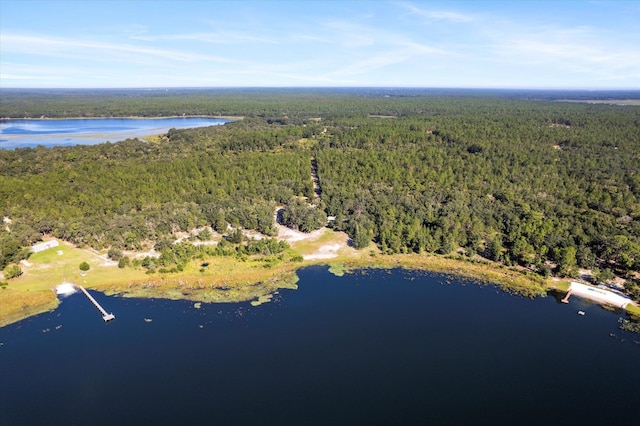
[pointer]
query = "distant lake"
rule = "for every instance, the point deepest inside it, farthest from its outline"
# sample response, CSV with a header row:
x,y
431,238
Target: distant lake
x,y
90,131
371,348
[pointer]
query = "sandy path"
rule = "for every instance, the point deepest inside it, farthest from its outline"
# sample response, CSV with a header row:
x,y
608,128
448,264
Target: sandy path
x,y
292,236
324,251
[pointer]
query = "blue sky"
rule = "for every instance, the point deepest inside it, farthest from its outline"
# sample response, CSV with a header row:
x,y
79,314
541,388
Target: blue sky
x,y
517,44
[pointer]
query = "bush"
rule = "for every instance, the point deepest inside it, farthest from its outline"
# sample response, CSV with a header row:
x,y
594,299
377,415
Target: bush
x,y
123,262
12,271
545,271
603,275
114,253
204,235
84,266
236,236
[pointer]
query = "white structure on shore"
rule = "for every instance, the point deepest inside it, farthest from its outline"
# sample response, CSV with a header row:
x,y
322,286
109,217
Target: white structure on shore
x,y
37,248
598,294
65,289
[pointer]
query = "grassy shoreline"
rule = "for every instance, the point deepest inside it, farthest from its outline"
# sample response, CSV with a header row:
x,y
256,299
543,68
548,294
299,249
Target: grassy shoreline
x,y
230,279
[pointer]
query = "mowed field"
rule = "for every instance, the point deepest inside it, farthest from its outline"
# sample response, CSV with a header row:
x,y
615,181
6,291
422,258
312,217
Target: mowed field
x,y
34,291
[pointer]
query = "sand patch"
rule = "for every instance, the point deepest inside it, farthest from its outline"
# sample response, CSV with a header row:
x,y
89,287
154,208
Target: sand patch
x,y
104,260
293,236
65,289
327,251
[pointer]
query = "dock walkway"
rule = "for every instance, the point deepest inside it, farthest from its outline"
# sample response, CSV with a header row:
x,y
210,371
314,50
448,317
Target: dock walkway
x,y
105,316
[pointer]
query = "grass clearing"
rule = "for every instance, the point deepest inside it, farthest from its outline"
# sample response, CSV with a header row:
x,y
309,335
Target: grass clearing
x,y
49,268
560,285
633,310
328,245
19,304
33,292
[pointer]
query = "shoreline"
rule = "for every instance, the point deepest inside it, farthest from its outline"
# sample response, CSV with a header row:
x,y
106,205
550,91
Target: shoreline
x,y
239,283
16,141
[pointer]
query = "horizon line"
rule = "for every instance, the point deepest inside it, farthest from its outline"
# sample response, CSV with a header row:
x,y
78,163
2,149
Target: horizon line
x,y
633,89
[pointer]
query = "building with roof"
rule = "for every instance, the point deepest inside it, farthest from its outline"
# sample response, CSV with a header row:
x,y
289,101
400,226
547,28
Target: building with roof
x,y
45,245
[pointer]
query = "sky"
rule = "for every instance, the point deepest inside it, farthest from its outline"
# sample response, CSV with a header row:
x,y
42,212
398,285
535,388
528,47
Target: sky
x,y
464,44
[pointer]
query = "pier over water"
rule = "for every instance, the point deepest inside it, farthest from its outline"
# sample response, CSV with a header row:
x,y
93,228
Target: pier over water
x,y
105,316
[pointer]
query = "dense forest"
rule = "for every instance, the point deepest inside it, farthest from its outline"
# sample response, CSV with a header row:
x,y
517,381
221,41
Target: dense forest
x,y
514,177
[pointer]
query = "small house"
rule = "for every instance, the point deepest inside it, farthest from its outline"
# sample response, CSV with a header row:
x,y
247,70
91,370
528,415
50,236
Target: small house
x,y
46,245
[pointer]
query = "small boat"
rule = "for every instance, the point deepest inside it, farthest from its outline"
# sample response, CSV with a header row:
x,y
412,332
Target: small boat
x,y
580,312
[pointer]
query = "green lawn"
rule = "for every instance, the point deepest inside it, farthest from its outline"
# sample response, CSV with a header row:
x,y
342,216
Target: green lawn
x,y
62,264
33,292
633,310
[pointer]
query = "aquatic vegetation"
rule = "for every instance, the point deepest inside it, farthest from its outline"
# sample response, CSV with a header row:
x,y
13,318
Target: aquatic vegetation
x,y
262,299
337,269
631,325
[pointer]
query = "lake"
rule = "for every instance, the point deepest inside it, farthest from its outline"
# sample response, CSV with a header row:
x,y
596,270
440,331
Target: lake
x,y
90,131
373,348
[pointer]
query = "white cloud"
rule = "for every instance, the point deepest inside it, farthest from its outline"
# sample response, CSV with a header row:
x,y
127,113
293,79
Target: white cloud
x,y
437,15
576,52
42,73
371,63
220,37
48,46
409,43
351,35
9,76
135,30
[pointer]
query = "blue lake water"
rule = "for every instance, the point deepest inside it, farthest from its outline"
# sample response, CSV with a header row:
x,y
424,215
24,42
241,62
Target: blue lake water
x,y
46,132
372,348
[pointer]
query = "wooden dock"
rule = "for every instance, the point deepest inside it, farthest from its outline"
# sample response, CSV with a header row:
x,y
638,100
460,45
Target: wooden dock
x,y
105,316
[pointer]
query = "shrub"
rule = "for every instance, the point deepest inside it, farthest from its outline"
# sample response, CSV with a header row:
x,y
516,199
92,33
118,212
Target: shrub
x,y
114,253
84,266
123,262
12,271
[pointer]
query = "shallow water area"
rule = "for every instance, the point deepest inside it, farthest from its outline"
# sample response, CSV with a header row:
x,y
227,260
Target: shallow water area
x,y
90,131
373,347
